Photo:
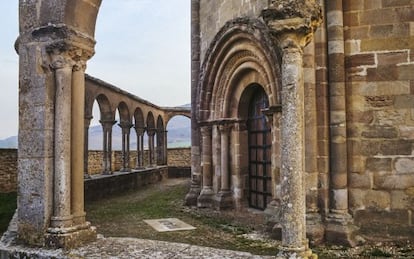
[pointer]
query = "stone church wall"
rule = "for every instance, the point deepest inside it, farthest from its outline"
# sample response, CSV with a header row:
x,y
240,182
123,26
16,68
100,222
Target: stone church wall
x,y
177,158
214,14
379,61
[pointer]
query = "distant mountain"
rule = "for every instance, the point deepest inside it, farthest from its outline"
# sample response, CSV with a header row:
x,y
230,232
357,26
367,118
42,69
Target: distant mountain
x,y
10,142
178,128
178,135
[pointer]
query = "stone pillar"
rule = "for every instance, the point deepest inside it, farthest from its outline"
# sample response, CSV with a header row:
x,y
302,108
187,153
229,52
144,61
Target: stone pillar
x,y
126,129
107,145
340,228
86,147
68,227
165,148
62,217
240,163
224,198
78,142
205,200
140,147
191,197
292,25
151,151
160,146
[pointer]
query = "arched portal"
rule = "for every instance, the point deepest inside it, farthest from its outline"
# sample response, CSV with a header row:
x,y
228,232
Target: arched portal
x,y
260,150
238,71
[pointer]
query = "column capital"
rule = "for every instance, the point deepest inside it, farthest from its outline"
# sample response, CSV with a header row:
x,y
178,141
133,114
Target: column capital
x,y
139,130
151,131
292,23
225,128
125,125
107,123
206,130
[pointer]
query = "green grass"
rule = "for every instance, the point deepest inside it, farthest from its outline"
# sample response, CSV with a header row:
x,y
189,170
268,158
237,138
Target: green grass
x,y
7,208
123,217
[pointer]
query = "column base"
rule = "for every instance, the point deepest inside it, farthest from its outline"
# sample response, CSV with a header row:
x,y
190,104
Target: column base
x,y
87,176
296,252
315,230
340,229
206,198
107,173
192,196
224,200
125,170
68,238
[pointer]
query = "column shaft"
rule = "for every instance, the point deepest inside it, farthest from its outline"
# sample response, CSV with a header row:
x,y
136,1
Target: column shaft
x,y
78,143
206,196
62,216
86,148
224,197
292,171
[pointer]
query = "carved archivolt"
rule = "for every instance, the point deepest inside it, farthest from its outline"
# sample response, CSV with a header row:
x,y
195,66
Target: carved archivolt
x,y
241,54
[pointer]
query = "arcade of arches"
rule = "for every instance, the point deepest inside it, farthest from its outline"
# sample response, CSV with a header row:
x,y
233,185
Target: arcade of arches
x,y
143,117
298,122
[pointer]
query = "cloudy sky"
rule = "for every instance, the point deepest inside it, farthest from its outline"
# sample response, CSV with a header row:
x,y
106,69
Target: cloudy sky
x,y
143,46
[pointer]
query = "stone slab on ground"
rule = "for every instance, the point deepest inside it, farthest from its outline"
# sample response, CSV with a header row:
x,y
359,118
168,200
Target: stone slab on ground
x,y
168,225
127,248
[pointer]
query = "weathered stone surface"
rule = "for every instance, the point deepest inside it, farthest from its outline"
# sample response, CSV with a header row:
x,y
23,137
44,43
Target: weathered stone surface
x,y
386,147
8,170
404,165
393,182
379,131
378,164
362,181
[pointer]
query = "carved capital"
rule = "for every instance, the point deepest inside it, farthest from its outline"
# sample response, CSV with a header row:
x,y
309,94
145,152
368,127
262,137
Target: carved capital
x,y
60,61
206,130
292,23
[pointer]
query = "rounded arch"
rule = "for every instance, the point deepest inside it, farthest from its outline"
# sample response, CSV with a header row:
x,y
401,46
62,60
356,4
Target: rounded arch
x,y
150,121
245,100
242,54
105,107
123,110
160,123
139,118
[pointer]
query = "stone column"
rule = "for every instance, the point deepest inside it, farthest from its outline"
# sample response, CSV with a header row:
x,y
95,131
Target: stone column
x,y
292,25
192,195
126,129
62,216
84,231
160,147
151,151
340,228
78,142
86,147
205,200
165,148
240,163
107,145
224,198
140,147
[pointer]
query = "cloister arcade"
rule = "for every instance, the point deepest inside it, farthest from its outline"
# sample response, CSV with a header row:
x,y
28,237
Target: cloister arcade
x,y
136,116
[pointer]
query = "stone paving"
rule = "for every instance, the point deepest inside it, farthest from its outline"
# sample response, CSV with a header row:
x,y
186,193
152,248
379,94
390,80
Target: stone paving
x,y
125,248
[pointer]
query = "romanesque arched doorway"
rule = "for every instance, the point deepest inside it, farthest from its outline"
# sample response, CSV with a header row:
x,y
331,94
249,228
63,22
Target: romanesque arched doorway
x,y
260,151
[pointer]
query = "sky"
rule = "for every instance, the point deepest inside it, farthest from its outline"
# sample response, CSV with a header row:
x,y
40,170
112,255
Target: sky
x,y
143,47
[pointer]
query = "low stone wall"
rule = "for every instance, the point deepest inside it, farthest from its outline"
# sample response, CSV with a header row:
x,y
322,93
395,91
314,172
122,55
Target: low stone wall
x,y
102,186
8,170
179,159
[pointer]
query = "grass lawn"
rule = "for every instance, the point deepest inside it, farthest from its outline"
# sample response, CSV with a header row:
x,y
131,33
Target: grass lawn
x,y
123,217
7,208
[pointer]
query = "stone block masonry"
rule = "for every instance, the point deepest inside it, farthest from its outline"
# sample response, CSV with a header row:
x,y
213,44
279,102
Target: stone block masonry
x,y
177,158
8,170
